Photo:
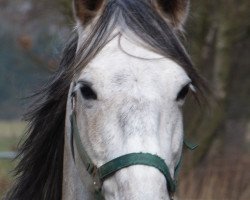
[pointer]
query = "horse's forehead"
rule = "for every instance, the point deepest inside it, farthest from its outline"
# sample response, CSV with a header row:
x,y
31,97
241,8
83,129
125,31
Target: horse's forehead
x,y
119,63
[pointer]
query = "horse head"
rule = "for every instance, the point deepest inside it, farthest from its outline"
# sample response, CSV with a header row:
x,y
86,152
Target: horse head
x,y
127,99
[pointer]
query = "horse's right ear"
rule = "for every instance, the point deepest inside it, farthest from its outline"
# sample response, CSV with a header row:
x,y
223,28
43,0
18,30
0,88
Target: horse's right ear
x,y
86,10
175,11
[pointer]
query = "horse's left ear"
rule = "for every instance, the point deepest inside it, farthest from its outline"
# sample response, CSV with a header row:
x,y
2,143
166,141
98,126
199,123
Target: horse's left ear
x,y
86,10
175,11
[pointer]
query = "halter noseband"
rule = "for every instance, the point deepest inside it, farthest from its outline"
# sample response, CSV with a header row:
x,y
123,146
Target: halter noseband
x,y
110,168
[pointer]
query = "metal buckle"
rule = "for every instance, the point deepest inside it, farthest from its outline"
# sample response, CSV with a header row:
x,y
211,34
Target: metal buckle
x,y
96,180
97,183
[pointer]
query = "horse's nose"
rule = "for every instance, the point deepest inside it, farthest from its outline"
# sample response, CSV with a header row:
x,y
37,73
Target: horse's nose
x,y
136,183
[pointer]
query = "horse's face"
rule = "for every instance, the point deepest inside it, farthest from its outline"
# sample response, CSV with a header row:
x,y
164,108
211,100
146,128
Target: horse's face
x,y
127,104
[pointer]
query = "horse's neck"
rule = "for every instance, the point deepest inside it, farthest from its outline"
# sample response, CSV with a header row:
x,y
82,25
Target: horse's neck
x,y
74,188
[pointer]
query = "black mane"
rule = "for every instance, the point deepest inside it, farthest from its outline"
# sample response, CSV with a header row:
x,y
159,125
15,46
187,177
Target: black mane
x,y
39,172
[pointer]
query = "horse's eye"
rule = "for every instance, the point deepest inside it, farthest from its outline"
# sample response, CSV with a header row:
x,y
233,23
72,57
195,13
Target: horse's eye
x,y
183,93
87,92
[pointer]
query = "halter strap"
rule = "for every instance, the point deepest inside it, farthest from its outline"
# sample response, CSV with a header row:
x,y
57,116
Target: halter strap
x,y
131,159
86,160
190,145
100,174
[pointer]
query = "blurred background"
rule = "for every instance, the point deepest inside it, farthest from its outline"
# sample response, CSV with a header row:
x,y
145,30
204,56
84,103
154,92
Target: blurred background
x,y
32,35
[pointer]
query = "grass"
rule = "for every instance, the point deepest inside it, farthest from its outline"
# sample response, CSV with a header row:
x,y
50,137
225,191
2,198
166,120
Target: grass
x,y
10,133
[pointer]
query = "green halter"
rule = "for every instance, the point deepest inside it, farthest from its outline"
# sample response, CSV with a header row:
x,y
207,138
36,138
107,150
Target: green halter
x,y
110,168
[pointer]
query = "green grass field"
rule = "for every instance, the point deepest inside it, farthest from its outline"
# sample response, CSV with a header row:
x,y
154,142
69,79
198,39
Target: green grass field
x,y
10,134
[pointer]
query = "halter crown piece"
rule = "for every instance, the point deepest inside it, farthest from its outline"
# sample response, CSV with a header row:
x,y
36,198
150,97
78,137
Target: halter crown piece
x,y
110,168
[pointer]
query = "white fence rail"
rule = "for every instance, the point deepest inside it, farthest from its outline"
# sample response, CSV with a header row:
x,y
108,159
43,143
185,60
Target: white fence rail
x,y
7,155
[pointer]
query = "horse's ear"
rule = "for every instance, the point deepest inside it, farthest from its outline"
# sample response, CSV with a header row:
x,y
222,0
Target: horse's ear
x,y
86,10
175,11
